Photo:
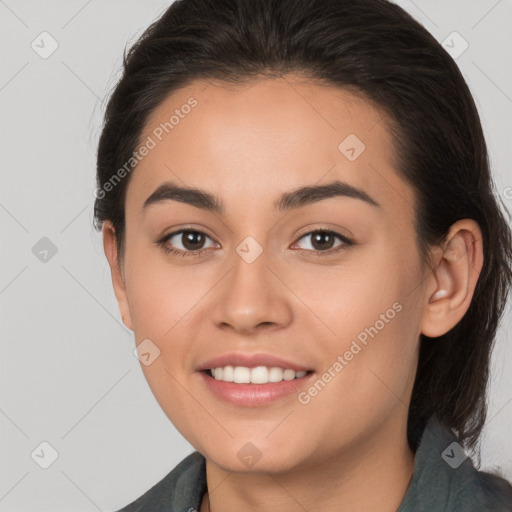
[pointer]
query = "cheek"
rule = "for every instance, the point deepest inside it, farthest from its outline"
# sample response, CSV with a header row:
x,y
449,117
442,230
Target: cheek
x,y
372,321
162,296
367,375
169,389
352,295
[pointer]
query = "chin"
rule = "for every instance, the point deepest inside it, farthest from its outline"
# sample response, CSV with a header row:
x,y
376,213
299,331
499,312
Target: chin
x,y
251,457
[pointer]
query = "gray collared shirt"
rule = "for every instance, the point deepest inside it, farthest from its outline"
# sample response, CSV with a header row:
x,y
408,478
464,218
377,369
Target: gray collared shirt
x,y
444,480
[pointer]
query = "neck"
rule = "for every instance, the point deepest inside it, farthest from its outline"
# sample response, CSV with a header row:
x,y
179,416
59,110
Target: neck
x,y
373,474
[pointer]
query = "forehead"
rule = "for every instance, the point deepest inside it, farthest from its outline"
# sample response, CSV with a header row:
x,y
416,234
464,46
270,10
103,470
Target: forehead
x,y
239,140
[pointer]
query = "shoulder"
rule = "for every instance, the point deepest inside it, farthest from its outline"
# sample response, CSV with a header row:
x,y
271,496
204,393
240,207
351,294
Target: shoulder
x,y
496,490
446,480
181,490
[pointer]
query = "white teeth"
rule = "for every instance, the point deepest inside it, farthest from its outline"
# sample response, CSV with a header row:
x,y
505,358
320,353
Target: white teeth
x,y
256,375
227,374
259,375
289,375
242,375
275,375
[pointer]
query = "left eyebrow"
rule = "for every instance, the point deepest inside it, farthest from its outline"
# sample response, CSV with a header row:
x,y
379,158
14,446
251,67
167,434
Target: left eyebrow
x,y
314,193
302,196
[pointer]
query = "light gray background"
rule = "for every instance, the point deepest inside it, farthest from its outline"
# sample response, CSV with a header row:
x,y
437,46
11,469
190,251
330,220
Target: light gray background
x,y
68,374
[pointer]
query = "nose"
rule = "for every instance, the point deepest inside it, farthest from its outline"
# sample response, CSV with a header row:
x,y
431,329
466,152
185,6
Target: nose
x,y
252,297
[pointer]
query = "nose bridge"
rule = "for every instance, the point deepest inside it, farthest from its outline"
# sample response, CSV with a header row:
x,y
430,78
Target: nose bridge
x,y
251,295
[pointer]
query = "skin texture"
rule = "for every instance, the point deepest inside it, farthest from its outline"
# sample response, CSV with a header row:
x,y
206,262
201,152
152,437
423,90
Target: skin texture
x,y
248,145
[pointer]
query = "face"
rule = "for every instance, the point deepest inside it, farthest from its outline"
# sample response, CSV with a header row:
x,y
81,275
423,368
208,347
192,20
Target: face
x,y
328,282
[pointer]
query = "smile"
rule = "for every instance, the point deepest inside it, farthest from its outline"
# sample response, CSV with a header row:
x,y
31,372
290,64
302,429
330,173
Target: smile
x,y
256,375
254,387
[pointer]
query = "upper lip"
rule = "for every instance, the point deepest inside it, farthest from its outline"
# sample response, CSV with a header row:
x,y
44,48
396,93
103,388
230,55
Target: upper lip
x,y
250,360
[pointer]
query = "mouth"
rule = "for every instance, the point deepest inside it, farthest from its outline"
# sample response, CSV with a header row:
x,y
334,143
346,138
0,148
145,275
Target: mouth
x,y
254,386
255,375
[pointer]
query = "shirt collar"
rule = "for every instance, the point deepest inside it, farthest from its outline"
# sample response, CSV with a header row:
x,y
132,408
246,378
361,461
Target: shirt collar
x,y
444,478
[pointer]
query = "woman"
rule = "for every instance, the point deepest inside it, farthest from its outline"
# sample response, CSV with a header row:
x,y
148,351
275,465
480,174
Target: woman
x,y
298,212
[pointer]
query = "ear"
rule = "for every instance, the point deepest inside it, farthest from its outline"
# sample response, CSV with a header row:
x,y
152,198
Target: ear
x,y
118,279
453,280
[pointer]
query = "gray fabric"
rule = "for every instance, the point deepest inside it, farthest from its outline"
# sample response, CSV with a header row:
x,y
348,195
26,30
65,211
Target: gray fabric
x,y
437,484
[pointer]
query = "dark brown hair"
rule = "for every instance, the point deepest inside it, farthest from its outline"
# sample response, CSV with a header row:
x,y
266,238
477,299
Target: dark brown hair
x,y
376,49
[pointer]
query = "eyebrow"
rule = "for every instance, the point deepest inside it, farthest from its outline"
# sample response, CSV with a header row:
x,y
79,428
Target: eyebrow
x,y
302,196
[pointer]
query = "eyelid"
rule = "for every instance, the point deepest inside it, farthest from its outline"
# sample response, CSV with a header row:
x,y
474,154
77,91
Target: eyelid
x,y
163,241
185,227
346,241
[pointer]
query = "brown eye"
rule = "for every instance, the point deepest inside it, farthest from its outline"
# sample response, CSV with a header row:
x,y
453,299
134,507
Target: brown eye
x,y
323,241
192,240
187,242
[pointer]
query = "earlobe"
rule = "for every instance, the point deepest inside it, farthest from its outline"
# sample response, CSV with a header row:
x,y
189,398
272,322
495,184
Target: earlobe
x,y
118,278
453,279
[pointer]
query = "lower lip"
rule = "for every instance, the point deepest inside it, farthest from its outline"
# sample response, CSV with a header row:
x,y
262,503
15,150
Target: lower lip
x,y
253,395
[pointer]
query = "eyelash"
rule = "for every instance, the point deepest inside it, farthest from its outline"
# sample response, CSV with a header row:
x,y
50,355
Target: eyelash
x,y
347,243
